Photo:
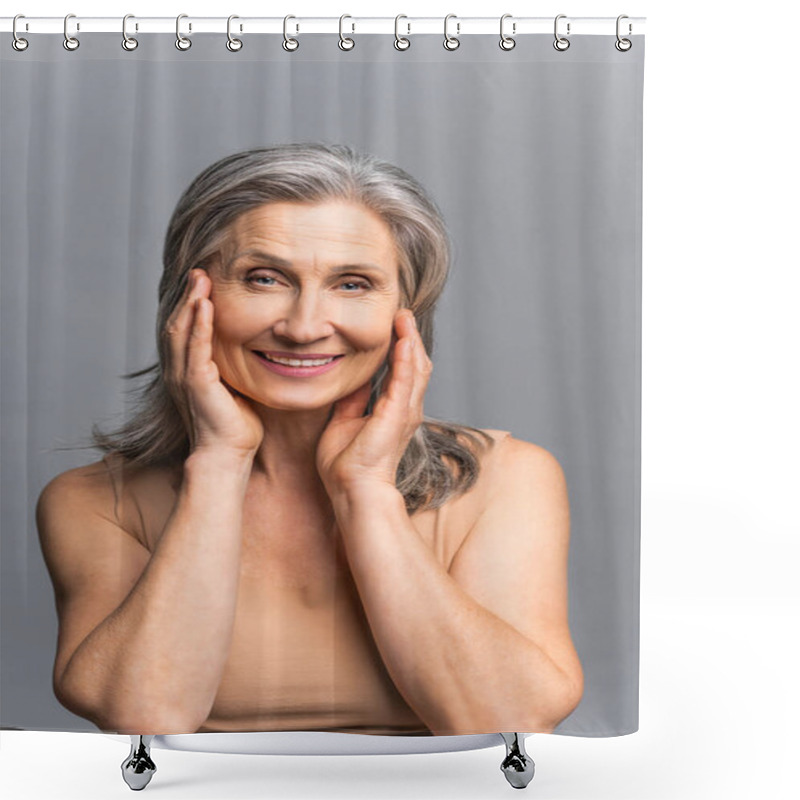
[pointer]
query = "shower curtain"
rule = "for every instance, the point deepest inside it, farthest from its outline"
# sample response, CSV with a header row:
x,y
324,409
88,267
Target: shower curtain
x,y
533,155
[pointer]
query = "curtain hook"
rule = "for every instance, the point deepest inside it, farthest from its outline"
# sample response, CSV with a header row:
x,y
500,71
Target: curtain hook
x,y
451,42
507,42
400,42
623,45
128,42
561,43
289,43
345,43
233,44
18,43
70,42
182,42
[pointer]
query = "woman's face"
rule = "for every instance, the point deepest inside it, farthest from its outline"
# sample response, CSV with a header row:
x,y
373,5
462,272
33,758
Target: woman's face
x,y
303,280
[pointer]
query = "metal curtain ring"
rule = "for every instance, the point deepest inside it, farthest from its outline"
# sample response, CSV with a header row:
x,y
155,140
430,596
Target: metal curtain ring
x,y
345,43
401,43
507,42
70,42
181,42
451,42
128,42
18,43
289,44
233,44
561,43
623,45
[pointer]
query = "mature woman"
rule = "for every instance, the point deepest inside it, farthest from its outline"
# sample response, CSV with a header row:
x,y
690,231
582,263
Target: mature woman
x,y
279,539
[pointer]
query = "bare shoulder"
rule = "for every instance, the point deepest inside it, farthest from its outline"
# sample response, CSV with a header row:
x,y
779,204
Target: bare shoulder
x,y
87,486
517,456
487,445
497,436
523,479
509,457
102,489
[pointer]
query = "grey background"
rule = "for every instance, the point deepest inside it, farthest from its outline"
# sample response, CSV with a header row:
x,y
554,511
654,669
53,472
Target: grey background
x,y
534,157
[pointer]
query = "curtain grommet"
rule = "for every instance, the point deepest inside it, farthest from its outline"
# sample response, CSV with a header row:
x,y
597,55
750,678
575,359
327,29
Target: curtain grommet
x,y
507,42
561,43
70,42
181,41
129,43
18,43
623,45
289,43
345,42
400,42
451,42
233,44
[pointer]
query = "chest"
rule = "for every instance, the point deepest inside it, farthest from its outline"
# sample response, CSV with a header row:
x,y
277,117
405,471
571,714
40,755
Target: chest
x,y
302,655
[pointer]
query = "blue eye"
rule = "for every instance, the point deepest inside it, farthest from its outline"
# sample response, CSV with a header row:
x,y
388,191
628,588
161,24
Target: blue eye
x,y
360,284
254,278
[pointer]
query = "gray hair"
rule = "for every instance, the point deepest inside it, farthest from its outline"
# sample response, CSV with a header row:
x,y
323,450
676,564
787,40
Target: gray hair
x,y
439,461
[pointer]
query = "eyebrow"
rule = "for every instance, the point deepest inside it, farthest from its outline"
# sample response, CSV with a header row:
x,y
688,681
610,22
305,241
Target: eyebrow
x,y
284,264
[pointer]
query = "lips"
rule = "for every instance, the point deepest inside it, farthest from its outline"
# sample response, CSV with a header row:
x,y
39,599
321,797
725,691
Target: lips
x,y
298,356
298,370
268,354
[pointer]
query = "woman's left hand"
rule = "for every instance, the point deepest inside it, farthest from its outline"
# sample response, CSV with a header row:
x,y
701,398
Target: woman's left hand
x,y
355,450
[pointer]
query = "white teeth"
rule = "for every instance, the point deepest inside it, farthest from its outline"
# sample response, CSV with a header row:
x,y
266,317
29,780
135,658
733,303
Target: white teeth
x,y
293,362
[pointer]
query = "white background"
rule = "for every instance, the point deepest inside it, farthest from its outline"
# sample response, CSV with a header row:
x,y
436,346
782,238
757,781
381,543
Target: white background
x,y
719,602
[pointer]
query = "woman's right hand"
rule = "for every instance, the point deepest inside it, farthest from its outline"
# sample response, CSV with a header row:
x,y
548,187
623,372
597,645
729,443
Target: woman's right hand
x,y
217,418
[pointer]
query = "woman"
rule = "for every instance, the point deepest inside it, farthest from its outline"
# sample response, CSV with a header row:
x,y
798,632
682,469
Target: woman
x,y
279,539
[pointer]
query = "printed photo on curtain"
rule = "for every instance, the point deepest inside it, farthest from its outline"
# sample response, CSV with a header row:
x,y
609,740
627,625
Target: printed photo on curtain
x,y
321,385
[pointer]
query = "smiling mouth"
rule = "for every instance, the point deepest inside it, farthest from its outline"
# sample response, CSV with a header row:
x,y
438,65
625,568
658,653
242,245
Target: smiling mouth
x,y
298,362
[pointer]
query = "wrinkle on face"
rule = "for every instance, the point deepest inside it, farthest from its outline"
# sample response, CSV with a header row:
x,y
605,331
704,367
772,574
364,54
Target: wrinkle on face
x,y
297,303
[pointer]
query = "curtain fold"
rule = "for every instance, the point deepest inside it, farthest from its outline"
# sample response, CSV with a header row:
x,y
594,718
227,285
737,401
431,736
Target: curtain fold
x,y
534,159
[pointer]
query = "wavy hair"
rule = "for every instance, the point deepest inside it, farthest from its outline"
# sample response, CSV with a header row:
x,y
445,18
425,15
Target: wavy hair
x,y
440,460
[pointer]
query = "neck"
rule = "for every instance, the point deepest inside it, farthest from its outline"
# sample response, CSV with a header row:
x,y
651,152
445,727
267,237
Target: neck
x,y
288,452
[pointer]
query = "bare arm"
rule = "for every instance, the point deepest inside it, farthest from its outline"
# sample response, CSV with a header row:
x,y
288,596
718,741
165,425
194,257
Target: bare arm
x,y
143,640
484,646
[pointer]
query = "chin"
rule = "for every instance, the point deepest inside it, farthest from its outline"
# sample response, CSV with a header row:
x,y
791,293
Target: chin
x,y
288,404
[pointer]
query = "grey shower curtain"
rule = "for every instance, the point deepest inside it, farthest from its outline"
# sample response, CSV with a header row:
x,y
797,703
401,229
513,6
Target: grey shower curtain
x,y
534,158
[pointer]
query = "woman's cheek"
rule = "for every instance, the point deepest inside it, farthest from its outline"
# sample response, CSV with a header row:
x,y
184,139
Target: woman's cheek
x,y
376,339
224,340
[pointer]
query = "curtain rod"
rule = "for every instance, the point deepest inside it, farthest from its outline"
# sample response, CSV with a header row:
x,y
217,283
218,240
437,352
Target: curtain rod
x,y
459,26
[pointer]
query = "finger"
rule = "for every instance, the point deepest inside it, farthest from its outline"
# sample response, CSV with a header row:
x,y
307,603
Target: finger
x,y
391,408
423,367
199,363
230,388
187,317
393,404
178,328
387,378
400,377
183,306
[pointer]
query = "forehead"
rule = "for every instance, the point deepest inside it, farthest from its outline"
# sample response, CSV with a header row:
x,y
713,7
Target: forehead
x,y
329,230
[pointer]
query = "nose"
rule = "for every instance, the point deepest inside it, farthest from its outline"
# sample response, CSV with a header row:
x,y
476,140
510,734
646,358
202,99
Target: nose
x,y
306,318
